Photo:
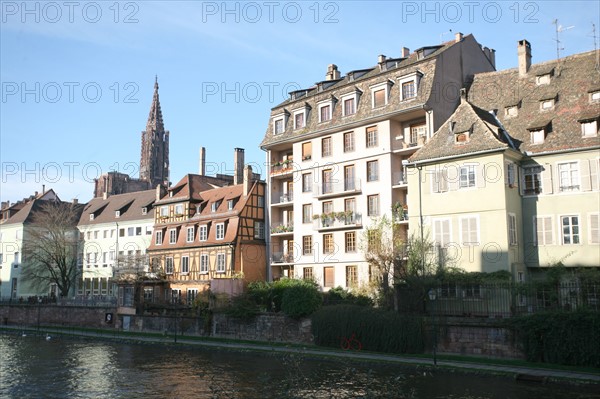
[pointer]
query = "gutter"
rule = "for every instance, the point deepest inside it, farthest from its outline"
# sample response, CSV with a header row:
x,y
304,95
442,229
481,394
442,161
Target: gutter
x,y
432,160
552,152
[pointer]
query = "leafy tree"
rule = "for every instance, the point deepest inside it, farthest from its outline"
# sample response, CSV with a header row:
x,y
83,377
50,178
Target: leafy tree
x,y
51,246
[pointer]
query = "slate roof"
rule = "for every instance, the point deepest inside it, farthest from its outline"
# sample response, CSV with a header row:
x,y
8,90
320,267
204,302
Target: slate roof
x,y
190,187
572,80
129,205
27,213
485,134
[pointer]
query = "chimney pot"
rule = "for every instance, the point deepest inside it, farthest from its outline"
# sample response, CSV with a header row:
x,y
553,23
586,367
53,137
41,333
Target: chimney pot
x,y
381,58
75,201
405,52
238,166
332,72
524,53
202,169
458,37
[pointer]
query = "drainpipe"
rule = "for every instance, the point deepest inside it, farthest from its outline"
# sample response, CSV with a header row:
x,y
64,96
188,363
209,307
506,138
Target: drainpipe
x,y
420,168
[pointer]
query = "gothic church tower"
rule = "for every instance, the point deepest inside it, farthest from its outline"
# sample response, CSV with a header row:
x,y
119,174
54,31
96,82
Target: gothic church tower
x,y
154,162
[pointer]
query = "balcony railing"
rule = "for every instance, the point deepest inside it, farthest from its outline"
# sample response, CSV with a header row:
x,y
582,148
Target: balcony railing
x,y
282,167
346,186
280,257
282,228
280,198
335,221
399,178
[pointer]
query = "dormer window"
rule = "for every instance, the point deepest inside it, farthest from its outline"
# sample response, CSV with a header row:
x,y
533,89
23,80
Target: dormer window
x,y
547,104
117,214
380,94
409,85
92,216
325,110
300,117
537,135
511,111
589,127
279,122
144,211
462,137
350,102
215,205
542,79
230,205
595,96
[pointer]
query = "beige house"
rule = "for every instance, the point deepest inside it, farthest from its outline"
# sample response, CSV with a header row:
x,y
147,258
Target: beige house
x,y
336,152
510,181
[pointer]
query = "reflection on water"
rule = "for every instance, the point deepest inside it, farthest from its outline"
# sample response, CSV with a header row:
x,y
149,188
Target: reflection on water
x,y
71,368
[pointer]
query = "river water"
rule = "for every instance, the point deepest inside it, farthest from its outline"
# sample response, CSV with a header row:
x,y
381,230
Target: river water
x,y
33,367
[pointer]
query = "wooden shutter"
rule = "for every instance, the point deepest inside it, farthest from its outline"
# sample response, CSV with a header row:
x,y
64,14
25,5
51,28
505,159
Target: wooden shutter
x,y
547,181
328,276
595,183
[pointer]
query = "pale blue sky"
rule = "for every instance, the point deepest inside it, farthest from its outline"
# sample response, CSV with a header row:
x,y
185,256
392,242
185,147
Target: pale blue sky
x,y
251,53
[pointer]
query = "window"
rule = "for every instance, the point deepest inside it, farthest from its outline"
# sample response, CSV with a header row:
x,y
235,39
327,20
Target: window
x,y
417,131
373,205
190,234
121,233
349,107
326,147
229,205
544,234
537,136
221,263
191,295
130,231
215,205
546,105
350,206
306,213
327,243
511,112
372,171
307,248
349,142
409,85
306,151
307,182
1,258
542,79
179,210
469,230
440,181
159,237
589,128
351,276
441,232
570,229
164,211
203,233
328,277
261,201
512,229
220,231
568,173
351,241
138,231
259,230
408,90
372,137
467,176
307,273
327,187
299,122
172,236
169,266
594,229
185,264
117,214
349,178
278,126
510,175
595,96
144,211
203,263
532,177
324,113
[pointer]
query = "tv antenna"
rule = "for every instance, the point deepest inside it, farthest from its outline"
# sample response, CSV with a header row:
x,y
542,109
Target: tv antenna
x,y
559,29
596,46
444,33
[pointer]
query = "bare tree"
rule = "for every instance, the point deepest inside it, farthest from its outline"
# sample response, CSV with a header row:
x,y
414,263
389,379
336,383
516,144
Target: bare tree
x,y
51,246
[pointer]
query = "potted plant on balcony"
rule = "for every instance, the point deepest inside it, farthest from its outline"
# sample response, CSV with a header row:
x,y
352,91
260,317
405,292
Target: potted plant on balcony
x,y
397,210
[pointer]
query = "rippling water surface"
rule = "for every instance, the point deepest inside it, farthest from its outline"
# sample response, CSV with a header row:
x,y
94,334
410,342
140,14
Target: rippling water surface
x,y
31,367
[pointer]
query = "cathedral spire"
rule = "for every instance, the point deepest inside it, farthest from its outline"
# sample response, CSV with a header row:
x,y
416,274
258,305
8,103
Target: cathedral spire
x,y
155,121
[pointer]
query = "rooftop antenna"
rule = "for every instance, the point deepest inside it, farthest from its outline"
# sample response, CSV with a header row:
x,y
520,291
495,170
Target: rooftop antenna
x,y
559,29
444,33
596,46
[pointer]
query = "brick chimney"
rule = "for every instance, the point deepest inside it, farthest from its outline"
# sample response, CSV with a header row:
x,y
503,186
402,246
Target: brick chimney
x,y
247,179
238,165
524,52
405,52
458,37
332,72
202,166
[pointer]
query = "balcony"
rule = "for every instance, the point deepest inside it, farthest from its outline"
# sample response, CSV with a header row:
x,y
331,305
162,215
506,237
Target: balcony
x,y
282,168
399,179
281,199
335,189
281,229
280,257
337,221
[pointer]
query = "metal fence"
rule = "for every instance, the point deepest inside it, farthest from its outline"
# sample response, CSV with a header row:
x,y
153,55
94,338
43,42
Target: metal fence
x,y
509,299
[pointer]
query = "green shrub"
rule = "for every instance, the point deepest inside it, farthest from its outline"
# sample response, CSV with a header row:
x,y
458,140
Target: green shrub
x,y
243,307
569,338
260,292
301,300
340,296
376,330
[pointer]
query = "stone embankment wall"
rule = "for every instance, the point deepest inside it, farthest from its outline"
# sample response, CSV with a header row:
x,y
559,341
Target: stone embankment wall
x,y
464,336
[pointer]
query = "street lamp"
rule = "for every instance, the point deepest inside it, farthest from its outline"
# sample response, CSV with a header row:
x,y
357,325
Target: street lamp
x,y
432,295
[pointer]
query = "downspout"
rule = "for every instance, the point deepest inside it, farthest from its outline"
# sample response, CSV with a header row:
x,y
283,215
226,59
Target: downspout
x,y
420,168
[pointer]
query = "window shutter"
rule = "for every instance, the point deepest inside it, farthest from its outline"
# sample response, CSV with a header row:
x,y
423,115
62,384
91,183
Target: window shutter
x,y
444,181
521,179
594,177
480,177
586,184
547,183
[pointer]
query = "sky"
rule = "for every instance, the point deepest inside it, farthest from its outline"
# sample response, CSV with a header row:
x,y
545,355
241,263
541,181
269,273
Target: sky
x,y
77,76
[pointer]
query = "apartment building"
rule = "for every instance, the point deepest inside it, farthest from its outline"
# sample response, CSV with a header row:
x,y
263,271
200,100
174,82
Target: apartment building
x,y
116,231
336,152
208,237
510,181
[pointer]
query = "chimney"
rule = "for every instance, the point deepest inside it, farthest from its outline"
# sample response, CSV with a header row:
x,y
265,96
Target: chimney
x,y
463,95
75,201
247,179
160,191
490,53
332,72
36,194
524,52
238,165
405,52
105,195
202,169
458,37
43,189
381,61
